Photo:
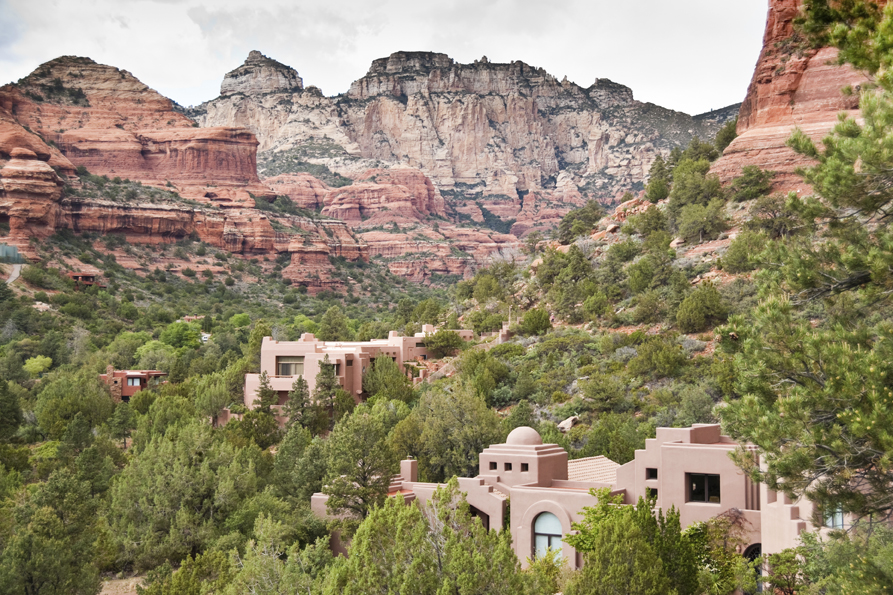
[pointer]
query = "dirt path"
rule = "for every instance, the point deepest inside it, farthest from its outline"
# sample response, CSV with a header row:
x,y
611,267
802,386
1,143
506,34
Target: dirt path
x,y
16,271
121,586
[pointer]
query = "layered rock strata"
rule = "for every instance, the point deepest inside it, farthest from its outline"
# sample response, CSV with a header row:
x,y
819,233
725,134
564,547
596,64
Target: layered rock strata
x,y
30,191
476,130
105,119
793,86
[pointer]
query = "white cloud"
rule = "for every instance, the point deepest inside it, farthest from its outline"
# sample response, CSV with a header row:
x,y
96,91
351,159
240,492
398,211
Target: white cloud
x,y
691,55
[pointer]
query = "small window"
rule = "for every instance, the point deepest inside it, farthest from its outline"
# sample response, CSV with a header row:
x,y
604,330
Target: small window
x,y
508,466
349,363
834,519
703,487
133,382
419,344
493,466
650,473
651,492
288,365
525,467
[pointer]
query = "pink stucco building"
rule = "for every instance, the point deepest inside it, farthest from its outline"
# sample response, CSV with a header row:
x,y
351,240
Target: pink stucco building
x,y
688,468
284,361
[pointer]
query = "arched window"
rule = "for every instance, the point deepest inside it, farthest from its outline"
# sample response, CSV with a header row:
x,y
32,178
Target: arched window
x,y
546,534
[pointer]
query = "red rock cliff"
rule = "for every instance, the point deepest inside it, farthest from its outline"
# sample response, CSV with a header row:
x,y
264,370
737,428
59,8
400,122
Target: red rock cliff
x,y
793,86
108,121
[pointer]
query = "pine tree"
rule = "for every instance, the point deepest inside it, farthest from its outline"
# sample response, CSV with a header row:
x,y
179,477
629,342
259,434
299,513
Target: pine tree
x,y
10,412
297,407
266,396
326,385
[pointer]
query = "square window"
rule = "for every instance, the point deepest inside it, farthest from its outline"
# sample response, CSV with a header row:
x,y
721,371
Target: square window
x,y
651,492
834,519
493,466
525,467
650,473
703,487
508,466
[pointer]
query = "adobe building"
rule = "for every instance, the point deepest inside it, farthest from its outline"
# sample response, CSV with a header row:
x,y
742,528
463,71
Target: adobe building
x,y
123,384
284,361
688,468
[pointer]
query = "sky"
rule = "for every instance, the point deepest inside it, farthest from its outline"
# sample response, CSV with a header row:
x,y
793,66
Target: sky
x,y
687,55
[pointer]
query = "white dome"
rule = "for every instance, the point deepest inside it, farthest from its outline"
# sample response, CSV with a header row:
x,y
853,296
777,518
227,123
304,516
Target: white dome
x,y
524,435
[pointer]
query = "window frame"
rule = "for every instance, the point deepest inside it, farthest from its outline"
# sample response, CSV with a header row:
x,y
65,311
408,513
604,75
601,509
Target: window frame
x,y
292,361
711,482
553,541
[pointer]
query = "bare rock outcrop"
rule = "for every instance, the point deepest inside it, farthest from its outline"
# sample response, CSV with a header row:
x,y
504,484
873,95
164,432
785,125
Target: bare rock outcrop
x,y
29,198
476,130
108,121
260,74
304,190
794,85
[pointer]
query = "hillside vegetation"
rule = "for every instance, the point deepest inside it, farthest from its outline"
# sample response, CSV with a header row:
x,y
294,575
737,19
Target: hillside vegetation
x,y
697,303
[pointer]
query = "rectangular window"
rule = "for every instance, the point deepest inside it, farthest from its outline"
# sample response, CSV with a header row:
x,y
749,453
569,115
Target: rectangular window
x,y
133,382
349,363
419,344
287,365
651,492
525,467
493,466
650,473
508,466
703,487
834,519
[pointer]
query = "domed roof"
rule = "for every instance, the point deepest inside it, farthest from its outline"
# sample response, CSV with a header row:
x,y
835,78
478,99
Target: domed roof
x,y
524,436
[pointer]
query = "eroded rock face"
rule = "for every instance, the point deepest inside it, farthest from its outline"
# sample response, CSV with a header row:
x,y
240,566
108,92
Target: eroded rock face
x,y
475,130
29,198
304,190
792,86
260,74
108,121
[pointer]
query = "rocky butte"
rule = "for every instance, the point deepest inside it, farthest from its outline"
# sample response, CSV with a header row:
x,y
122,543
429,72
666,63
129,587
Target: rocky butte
x,y
73,112
793,85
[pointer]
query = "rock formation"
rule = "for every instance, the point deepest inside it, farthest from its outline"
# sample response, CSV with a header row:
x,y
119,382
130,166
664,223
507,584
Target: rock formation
x,y
476,130
108,121
793,85
29,198
260,74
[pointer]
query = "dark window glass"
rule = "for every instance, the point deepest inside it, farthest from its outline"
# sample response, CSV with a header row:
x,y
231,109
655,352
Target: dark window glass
x,y
508,466
492,465
525,467
650,473
703,488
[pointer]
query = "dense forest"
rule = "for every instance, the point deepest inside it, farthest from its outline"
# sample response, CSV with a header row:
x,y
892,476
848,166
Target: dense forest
x,y
786,340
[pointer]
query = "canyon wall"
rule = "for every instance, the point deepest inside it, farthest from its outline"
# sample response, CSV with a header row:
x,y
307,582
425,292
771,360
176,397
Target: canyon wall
x,y
484,133
794,86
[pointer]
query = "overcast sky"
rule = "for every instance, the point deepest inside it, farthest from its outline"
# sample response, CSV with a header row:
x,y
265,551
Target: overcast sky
x,y
689,55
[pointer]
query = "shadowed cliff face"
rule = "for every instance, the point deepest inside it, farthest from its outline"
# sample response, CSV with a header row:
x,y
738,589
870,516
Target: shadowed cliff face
x,y
793,85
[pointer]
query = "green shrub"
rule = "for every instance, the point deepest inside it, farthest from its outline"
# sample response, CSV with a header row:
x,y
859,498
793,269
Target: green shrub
x,y
658,357
753,183
701,309
698,223
596,305
536,322
739,257
649,308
